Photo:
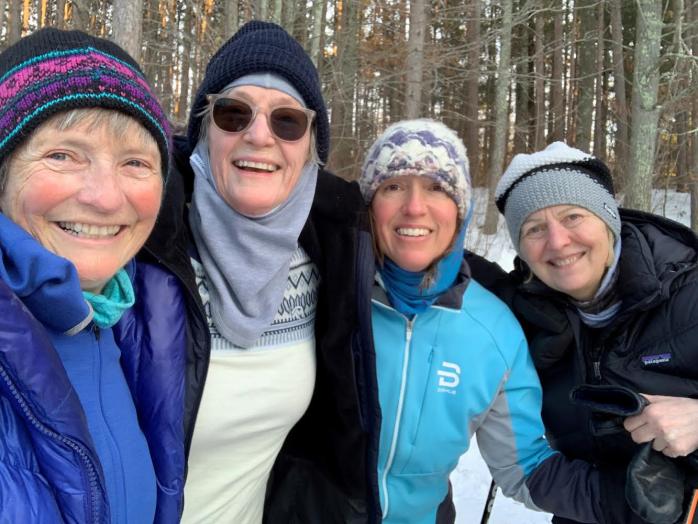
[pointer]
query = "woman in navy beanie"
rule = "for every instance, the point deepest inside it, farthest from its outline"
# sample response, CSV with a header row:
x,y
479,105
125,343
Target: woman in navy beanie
x,y
278,403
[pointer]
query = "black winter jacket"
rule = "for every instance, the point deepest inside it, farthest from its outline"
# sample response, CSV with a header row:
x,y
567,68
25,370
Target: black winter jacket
x,y
649,347
326,470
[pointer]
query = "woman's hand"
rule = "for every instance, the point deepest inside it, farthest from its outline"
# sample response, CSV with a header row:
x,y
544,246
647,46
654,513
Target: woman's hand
x,y
670,422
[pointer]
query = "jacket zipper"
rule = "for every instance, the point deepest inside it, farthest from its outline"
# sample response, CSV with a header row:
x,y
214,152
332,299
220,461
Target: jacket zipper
x,y
73,445
398,416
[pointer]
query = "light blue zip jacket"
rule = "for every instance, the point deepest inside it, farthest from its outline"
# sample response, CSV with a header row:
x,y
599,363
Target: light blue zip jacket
x,y
459,368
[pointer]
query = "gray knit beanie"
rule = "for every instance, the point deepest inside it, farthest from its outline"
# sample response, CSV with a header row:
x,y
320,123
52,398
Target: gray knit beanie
x,y
558,175
420,147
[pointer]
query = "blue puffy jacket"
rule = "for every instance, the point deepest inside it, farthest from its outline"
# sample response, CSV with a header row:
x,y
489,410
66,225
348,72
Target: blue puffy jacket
x,y
49,470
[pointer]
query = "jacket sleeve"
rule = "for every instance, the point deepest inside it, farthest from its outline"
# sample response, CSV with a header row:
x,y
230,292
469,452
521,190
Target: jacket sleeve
x,y
512,442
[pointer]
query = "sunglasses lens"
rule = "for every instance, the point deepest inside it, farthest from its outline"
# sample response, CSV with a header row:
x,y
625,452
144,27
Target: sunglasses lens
x,y
288,124
231,115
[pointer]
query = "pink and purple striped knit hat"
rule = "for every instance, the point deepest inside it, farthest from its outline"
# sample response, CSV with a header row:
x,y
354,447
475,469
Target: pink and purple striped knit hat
x,y
51,71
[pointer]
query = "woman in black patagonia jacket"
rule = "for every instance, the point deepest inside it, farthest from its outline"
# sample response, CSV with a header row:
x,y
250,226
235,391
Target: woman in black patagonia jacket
x,y
608,299
271,254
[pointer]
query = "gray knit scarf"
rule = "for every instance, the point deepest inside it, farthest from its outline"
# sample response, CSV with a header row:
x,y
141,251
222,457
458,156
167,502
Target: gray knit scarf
x,y
246,259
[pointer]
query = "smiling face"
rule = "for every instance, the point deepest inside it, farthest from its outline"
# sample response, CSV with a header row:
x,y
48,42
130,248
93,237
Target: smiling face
x,y
568,248
253,170
86,193
414,221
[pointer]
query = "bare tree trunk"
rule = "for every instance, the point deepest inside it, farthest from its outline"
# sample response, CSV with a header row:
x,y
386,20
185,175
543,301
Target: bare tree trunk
x,y
415,59
231,17
128,32
14,22
60,14
621,104
345,70
288,15
501,116
316,33
539,69
557,93
521,86
276,9
692,19
586,72
472,83
600,94
643,142
3,4
261,11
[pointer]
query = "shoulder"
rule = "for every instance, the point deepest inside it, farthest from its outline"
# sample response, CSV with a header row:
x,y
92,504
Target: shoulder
x,y
494,318
337,199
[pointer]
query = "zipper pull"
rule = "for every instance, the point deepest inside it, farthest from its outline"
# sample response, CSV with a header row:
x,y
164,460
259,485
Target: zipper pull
x,y
597,369
95,330
408,331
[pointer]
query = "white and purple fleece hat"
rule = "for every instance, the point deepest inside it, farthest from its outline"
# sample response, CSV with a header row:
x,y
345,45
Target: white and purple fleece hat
x,y
420,147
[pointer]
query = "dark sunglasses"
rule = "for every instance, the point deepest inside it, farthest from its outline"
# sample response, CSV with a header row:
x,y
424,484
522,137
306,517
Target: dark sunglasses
x,y
234,115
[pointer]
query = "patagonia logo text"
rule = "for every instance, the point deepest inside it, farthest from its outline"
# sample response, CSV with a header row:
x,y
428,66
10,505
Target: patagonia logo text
x,y
651,360
449,377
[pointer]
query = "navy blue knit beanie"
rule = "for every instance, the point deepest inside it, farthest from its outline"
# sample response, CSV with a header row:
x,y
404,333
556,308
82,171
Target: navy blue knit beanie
x,y
259,47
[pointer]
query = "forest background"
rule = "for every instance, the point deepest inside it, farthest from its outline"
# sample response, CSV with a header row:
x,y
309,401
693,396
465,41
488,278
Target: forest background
x,y
616,78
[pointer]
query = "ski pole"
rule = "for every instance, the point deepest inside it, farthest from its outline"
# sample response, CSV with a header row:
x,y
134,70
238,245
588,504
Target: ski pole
x,y
489,502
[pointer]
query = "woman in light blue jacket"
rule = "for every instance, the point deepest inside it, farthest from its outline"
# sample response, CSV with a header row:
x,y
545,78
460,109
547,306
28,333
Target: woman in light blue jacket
x,y
451,358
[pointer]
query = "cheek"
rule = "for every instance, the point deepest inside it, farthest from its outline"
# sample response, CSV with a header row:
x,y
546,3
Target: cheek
x,y
35,196
146,200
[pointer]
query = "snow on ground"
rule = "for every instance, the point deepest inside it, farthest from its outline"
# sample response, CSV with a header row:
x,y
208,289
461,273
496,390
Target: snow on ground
x,y
471,479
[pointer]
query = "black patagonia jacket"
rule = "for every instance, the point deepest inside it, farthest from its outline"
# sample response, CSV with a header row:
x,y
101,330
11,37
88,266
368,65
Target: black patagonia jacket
x,y
650,347
326,470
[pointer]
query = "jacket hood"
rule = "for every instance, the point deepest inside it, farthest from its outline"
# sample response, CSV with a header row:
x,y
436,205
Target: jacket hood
x,y
47,284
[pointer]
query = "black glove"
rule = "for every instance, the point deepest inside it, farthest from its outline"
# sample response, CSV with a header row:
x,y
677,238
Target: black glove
x,y
654,483
654,486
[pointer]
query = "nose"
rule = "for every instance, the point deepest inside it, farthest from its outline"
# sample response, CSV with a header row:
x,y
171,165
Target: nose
x,y
414,202
558,235
259,133
102,189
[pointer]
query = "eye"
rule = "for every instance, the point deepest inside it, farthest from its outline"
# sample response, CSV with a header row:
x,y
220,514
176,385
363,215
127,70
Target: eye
x,y
59,156
572,219
534,231
436,187
391,187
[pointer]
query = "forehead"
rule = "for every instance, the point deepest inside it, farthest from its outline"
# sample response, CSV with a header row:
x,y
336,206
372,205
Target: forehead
x,y
553,212
263,95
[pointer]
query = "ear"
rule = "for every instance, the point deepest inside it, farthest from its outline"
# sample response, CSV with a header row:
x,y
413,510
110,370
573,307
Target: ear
x,y
611,245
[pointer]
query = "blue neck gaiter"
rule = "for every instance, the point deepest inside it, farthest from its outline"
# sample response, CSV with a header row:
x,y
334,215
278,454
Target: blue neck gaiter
x,y
403,287
116,297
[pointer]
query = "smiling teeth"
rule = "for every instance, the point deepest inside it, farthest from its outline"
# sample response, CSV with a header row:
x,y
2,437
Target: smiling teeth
x,y
561,262
89,230
255,165
412,231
